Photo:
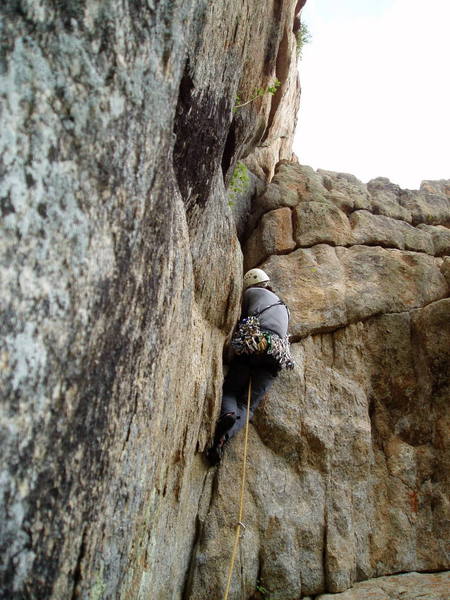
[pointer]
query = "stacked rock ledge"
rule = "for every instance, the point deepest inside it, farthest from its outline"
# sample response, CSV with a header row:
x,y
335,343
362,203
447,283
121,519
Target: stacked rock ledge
x,y
349,453
121,274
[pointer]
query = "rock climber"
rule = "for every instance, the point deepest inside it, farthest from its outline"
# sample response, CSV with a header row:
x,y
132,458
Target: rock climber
x,y
261,349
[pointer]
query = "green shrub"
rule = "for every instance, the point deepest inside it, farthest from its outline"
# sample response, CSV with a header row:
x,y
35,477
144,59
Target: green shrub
x,y
239,182
302,37
270,89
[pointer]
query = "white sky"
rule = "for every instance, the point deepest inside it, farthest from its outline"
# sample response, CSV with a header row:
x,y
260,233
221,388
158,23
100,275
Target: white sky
x,y
376,89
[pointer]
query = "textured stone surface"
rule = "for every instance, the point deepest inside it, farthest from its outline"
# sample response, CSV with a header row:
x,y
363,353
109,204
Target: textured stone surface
x,y
385,199
349,454
119,263
426,207
440,187
272,236
378,230
276,196
277,139
319,222
348,465
385,263
440,236
327,287
345,189
413,586
445,269
120,273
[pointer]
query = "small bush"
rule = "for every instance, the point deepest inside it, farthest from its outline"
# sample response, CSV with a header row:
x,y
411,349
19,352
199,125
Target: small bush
x,y
302,37
239,183
258,92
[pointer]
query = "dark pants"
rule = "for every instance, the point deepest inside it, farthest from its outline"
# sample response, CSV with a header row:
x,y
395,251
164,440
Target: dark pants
x,y
262,370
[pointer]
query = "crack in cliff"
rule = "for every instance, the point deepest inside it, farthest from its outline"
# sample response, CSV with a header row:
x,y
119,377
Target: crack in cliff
x,y
281,71
259,211
370,245
77,575
325,543
201,125
130,422
365,244
199,527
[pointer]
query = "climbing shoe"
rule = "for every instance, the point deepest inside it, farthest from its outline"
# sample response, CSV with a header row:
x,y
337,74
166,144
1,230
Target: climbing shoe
x,y
224,424
214,454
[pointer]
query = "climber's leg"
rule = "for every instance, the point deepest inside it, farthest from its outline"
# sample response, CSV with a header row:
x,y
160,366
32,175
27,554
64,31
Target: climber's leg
x,y
234,400
234,386
262,380
262,377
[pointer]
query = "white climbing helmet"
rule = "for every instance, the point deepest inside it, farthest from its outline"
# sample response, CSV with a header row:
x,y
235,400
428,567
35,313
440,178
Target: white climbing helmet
x,y
255,276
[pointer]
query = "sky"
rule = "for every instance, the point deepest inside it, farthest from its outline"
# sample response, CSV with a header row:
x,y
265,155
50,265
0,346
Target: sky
x,y
376,89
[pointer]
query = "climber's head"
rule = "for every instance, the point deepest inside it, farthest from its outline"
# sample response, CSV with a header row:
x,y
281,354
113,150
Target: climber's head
x,y
256,277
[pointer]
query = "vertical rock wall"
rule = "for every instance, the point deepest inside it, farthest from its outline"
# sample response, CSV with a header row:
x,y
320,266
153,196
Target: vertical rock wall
x,y
120,275
349,455
120,272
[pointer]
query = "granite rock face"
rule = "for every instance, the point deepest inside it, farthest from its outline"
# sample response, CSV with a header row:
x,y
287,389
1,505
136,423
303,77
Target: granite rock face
x,y
121,274
121,269
413,586
349,454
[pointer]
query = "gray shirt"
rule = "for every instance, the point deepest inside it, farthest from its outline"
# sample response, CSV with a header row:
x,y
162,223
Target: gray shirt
x,y
274,319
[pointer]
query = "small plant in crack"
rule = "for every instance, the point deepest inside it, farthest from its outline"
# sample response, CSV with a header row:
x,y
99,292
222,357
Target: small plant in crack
x,y
262,593
302,37
270,89
239,183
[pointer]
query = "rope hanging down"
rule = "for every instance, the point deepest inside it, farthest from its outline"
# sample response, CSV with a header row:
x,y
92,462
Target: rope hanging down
x,y
241,501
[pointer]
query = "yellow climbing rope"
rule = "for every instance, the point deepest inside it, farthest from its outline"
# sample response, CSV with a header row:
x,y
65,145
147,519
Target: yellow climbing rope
x,y
241,501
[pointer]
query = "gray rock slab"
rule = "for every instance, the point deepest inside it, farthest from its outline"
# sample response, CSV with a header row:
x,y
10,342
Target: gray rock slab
x,y
440,236
328,287
426,207
414,586
318,223
369,229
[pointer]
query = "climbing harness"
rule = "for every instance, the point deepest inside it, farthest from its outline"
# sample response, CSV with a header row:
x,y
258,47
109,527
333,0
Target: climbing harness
x,y
241,501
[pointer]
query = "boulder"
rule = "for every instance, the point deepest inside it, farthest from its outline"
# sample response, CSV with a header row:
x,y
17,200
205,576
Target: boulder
x,y
440,236
345,190
374,230
414,586
440,187
385,199
273,235
274,197
328,287
426,207
319,222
